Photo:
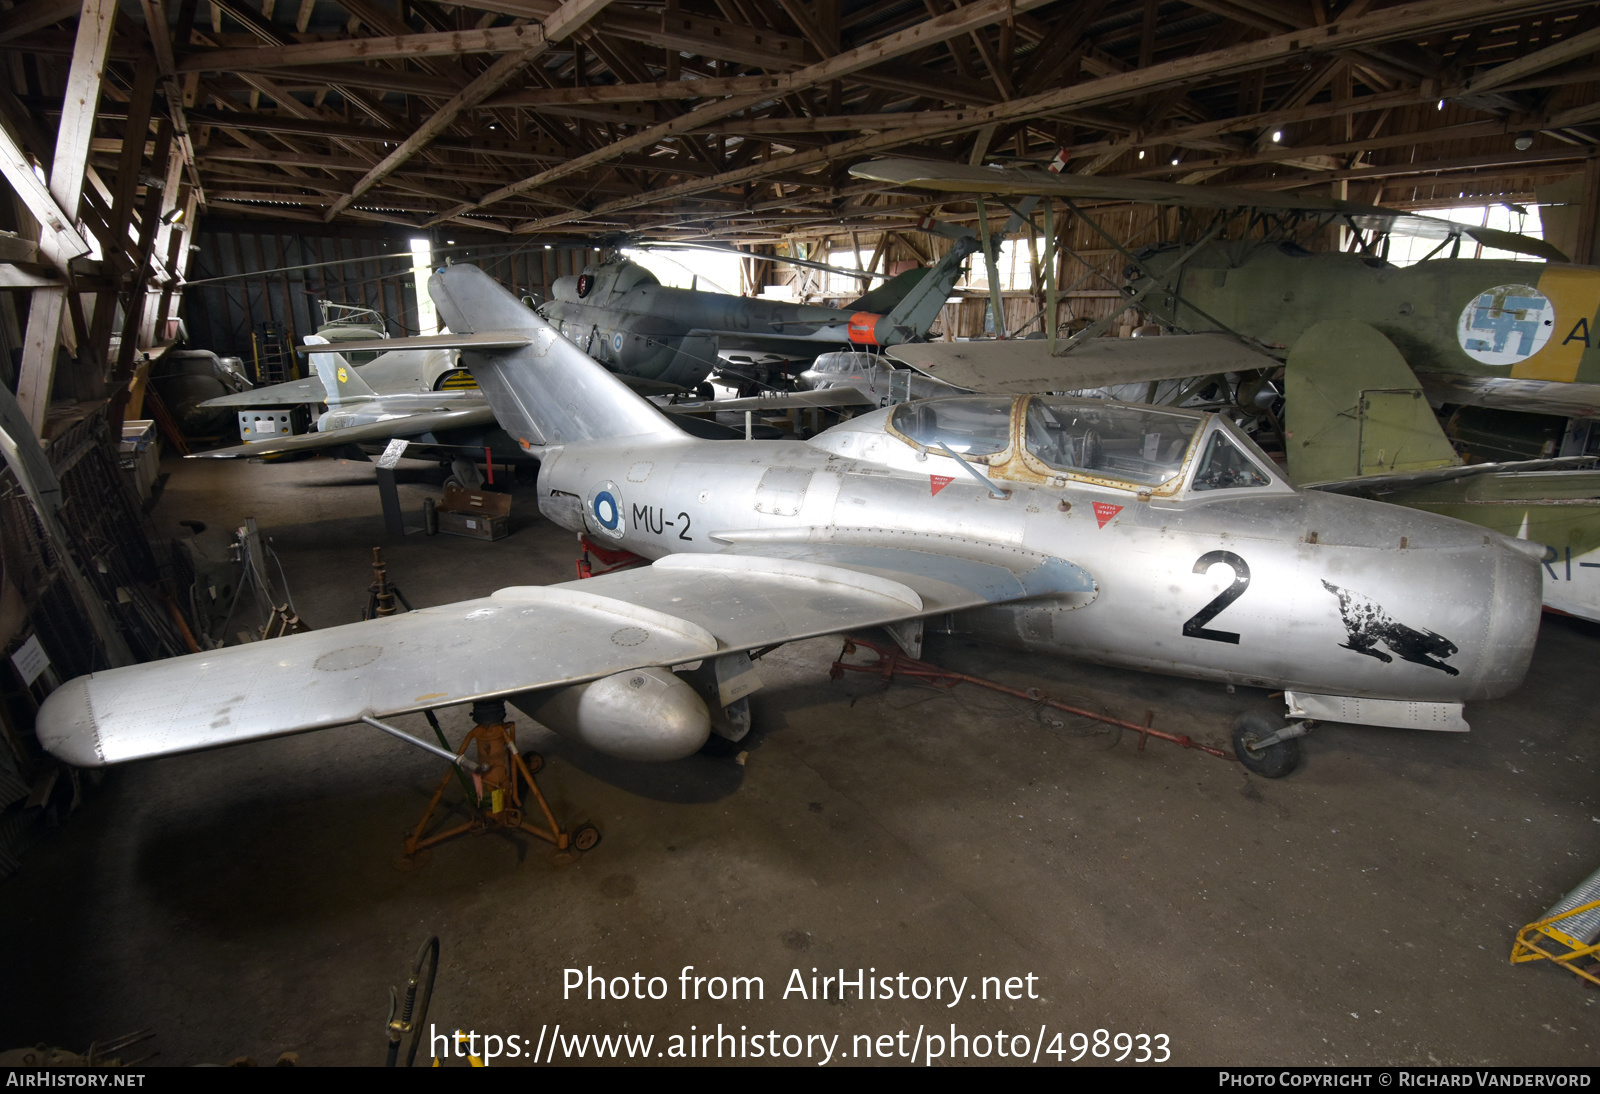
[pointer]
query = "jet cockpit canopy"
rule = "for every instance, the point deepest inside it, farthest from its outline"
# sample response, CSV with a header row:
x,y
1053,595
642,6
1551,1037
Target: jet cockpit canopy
x,y
1048,438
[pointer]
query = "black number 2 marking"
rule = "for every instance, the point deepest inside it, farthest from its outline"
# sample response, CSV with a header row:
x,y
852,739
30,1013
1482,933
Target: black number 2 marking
x,y
683,533
1196,627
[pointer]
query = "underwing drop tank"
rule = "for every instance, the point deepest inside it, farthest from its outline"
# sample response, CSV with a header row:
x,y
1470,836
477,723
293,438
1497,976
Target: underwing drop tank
x,y
648,714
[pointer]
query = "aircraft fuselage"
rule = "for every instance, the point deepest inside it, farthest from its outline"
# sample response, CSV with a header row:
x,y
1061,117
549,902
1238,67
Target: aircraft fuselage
x,y
1471,317
1267,586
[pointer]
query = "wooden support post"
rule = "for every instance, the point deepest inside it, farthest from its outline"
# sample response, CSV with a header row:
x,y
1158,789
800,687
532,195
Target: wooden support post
x,y
1051,293
996,299
79,106
1584,250
136,300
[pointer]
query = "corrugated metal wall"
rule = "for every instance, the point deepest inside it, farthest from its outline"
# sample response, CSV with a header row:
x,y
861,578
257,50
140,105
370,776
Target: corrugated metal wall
x,y
371,269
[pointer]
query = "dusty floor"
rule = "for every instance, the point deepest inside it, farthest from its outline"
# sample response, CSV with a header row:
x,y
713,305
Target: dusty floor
x,y
245,901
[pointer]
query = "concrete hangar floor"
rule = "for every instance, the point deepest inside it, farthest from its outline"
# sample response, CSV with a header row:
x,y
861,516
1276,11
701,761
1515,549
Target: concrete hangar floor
x,y
245,901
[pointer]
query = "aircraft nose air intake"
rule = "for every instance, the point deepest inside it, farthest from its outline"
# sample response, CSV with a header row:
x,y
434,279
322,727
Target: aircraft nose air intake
x,y
66,727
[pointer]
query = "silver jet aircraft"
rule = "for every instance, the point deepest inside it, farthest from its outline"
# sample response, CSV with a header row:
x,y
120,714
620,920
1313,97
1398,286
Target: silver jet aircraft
x,y
452,419
1148,538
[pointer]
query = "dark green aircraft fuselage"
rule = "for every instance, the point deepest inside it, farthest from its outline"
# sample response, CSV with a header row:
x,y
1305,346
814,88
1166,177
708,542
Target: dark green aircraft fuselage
x,y
1470,317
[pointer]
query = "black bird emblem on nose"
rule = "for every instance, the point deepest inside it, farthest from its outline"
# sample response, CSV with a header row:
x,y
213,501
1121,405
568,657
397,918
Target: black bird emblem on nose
x,y
1369,624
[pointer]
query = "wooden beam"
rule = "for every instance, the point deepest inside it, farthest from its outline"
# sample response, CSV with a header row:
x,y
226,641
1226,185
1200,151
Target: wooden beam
x,y
1402,20
35,15
691,33
940,28
1568,49
405,47
832,123
41,203
36,377
561,25
713,39
376,77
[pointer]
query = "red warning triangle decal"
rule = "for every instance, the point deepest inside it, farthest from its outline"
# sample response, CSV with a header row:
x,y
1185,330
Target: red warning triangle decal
x,y
1104,512
939,482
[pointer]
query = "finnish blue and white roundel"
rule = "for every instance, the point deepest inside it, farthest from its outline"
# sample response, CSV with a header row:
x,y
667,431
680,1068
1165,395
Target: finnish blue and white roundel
x,y
616,342
1506,324
606,513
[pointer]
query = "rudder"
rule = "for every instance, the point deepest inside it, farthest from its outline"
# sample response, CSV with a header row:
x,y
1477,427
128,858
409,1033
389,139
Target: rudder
x,y
1355,408
544,390
338,376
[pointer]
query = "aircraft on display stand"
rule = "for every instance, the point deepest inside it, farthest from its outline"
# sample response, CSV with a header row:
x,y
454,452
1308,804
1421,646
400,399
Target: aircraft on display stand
x,y
1150,538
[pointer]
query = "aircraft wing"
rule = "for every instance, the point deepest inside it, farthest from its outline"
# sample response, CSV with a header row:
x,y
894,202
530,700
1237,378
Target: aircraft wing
x,y
291,393
1379,486
408,425
683,608
1566,400
1030,181
488,340
777,400
1019,366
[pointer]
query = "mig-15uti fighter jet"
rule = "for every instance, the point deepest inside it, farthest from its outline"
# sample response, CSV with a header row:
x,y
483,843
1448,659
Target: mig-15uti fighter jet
x,y
1143,537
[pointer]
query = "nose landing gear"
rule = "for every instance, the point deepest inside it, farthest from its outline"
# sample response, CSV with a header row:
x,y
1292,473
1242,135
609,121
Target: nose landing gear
x,y
1268,746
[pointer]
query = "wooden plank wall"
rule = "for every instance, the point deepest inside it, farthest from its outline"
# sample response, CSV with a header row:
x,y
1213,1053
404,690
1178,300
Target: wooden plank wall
x,y
371,269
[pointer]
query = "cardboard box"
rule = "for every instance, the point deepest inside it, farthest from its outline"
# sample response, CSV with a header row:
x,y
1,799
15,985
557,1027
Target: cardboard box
x,y
474,514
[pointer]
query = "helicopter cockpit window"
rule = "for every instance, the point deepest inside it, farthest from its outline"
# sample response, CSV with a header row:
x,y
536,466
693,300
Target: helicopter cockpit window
x,y
1107,440
974,427
1224,466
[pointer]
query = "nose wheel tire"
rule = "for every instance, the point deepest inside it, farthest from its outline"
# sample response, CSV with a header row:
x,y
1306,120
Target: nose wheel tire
x,y
1273,762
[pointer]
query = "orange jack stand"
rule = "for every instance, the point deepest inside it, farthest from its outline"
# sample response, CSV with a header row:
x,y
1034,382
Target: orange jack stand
x,y
495,798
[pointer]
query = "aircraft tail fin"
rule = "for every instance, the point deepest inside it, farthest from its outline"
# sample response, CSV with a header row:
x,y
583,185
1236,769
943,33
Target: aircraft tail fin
x,y
338,376
910,319
1355,408
890,293
543,389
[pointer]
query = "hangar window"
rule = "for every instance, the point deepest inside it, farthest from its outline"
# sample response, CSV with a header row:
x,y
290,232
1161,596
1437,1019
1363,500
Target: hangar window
x,y
1135,444
1225,467
976,427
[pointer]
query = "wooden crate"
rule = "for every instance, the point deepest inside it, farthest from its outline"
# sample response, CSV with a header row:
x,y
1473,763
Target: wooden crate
x,y
475,514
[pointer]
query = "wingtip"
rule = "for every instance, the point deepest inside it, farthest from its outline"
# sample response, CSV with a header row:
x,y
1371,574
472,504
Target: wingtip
x,y
66,726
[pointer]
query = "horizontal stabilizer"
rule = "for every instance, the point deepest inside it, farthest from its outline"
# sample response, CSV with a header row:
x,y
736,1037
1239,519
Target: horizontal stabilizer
x,y
1381,486
1024,366
290,393
408,425
487,341
1564,400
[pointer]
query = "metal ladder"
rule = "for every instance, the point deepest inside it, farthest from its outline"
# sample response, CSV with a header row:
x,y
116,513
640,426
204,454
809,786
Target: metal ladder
x,y
1569,933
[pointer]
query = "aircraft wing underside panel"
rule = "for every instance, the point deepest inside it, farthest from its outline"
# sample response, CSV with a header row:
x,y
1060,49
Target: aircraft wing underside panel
x,y
1565,400
410,425
483,341
1027,181
684,608
778,400
1025,366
